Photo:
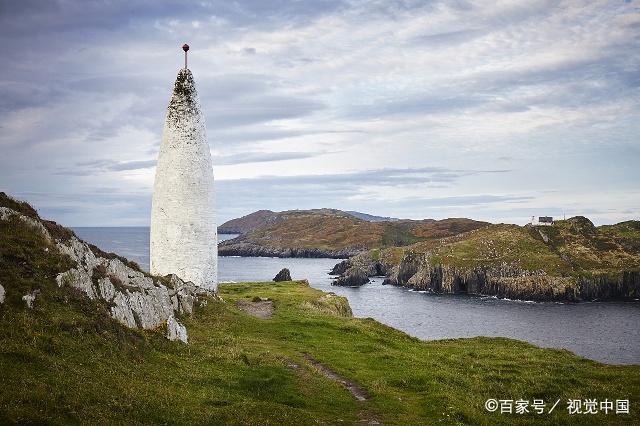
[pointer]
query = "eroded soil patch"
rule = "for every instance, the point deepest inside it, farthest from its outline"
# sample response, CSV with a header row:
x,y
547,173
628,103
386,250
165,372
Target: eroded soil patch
x,y
262,309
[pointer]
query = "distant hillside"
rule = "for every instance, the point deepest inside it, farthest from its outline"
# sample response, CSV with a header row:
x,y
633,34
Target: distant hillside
x,y
333,233
370,217
571,260
244,224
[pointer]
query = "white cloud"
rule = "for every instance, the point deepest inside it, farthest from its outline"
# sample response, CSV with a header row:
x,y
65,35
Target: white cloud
x,y
334,88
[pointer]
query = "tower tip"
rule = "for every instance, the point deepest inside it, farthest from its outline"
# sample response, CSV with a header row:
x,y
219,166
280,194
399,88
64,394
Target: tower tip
x,y
185,47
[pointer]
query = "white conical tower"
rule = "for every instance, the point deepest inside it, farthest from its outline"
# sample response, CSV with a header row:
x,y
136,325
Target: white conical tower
x,y
184,239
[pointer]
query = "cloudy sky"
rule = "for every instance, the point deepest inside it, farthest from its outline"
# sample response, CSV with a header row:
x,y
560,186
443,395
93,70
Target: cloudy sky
x,y
494,110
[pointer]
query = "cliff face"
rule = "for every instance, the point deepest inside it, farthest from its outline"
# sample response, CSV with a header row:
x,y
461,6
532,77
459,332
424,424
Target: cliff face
x,y
508,282
571,261
41,260
183,230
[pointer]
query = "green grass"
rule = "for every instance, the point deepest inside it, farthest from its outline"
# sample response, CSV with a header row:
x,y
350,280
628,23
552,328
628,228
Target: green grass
x,y
570,248
333,230
65,362
398,234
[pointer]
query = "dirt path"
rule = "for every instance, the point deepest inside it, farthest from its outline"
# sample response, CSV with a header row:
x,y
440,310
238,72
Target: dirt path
x,y
262,309
357,392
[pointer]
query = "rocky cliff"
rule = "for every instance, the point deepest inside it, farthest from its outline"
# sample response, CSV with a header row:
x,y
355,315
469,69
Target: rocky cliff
x,y
570,261
510,282
40,257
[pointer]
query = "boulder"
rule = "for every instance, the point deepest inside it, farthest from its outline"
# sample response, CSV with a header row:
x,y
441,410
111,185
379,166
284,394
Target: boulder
x,y
30,298
2,293
283,275
175,330
341,268
354,277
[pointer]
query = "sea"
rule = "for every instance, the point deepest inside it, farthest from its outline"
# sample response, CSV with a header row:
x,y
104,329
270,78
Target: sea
x,y
607,332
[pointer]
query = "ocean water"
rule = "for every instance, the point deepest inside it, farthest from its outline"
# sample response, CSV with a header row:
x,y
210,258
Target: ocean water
x,y
603,331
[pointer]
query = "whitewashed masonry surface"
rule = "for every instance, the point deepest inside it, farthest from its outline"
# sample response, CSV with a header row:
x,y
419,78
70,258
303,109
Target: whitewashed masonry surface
x,y
183,226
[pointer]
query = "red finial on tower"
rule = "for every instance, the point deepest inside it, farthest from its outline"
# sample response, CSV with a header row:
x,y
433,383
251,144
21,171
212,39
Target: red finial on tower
x,y
185,47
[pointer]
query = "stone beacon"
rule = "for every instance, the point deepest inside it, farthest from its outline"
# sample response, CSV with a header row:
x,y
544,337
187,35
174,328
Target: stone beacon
x,y
184,238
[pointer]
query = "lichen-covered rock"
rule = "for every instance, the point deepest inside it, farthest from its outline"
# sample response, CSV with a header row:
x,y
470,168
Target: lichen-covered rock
x,y
175,330
30,298
135,298
122,312
283,275
6,213
183,295
341,268
508,281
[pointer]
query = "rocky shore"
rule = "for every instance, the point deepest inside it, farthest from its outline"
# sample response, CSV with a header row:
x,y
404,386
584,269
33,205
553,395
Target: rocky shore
x,y
244,249
356,271
418,272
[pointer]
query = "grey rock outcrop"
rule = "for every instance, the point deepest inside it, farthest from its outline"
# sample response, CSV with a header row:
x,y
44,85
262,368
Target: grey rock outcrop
x,y
355,277
30,298
283,275
2,295
135,298
341,268
418,271
175,330
357,270
511,282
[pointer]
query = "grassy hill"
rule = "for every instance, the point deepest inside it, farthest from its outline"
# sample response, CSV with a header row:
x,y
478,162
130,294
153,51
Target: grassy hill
x,y
244,224
568,247
333,233
570,260
247,223
65,360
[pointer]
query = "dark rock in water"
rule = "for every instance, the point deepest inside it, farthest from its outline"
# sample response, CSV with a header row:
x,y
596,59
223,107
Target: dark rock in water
x,y
341,268
283,275
357,270
355,277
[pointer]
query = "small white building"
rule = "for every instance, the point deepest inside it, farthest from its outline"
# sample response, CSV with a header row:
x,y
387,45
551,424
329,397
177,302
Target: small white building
x,y
541,221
